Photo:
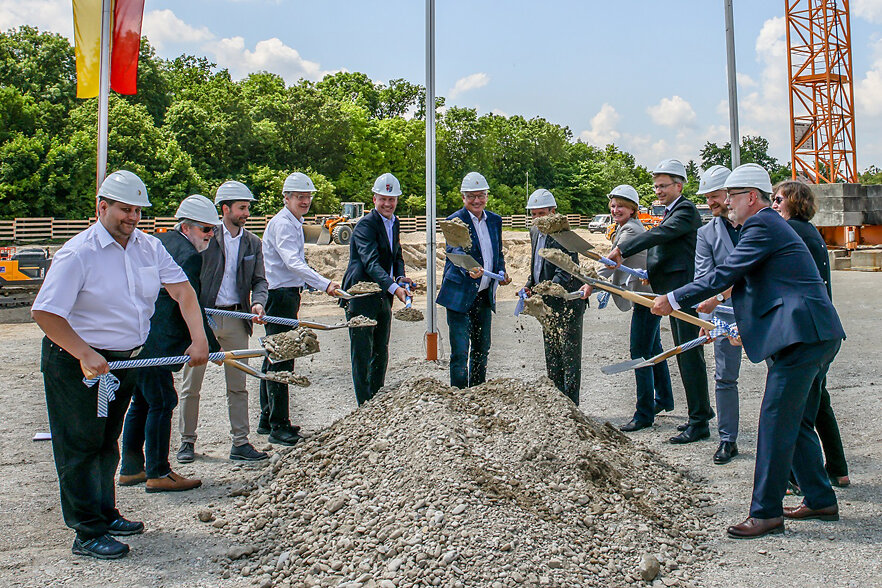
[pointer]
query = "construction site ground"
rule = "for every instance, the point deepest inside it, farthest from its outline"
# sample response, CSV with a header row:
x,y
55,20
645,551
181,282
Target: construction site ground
x,y
179,549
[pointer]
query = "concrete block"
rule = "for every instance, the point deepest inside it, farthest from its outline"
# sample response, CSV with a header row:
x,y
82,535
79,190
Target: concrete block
x,y
840,263
838,219
867,260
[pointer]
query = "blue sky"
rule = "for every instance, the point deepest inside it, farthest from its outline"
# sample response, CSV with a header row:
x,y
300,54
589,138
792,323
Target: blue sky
x,y
648,76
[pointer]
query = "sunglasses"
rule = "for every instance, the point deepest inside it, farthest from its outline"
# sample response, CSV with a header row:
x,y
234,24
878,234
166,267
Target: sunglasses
x,y
205,230
778,199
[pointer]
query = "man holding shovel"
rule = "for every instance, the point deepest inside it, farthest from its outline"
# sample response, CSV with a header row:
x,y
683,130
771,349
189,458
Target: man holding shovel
x,y
287,273
95,306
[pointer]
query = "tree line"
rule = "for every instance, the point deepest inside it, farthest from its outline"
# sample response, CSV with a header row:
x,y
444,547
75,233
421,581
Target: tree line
x,y
191,127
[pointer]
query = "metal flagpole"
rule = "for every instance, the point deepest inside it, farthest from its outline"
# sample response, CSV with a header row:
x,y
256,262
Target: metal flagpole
x,y
103,91
431,314
734,135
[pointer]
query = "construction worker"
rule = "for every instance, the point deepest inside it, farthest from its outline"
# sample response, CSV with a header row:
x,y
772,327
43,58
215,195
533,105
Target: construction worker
x,y
715,241
147,430
94,307
562,332
670,261
470,297
287,273
232,278
375,256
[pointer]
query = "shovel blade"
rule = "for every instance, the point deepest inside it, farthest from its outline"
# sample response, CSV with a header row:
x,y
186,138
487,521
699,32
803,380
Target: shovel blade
x,y
623,366
463,260
573,242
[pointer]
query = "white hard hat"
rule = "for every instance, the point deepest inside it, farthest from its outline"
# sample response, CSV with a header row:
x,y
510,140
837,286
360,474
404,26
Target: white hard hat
x,y
474,182
198,208
232,190
124,186
750,175
298,182
625,191
387,185
541,198
671,167
713,179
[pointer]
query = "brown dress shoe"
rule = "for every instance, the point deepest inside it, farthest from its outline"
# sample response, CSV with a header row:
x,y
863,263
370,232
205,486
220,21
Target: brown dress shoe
x,y
752,528
802,512
172,482
133,479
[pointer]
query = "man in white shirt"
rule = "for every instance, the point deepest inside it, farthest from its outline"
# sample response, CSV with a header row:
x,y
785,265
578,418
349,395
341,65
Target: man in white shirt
x,y
232,278
286,273
95,306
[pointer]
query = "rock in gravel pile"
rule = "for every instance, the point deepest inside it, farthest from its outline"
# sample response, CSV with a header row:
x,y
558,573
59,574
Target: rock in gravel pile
x,y
504,484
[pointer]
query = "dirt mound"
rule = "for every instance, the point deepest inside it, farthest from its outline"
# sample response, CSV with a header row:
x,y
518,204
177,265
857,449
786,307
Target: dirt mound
x,y
507,483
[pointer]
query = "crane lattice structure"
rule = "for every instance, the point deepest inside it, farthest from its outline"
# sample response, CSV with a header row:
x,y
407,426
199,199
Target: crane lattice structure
x,y
821,91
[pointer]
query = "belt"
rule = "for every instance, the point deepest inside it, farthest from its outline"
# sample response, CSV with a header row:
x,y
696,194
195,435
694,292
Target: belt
x,y
128,354
288,289
230,307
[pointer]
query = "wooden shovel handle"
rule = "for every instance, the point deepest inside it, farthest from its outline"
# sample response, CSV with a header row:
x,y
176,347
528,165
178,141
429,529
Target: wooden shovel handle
x,y
642,300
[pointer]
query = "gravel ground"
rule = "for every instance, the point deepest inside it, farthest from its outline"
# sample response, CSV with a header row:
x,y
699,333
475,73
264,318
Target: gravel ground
x,y
178,549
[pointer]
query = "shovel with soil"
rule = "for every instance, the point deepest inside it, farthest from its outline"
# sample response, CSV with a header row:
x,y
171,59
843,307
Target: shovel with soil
x,y
408,313
456,233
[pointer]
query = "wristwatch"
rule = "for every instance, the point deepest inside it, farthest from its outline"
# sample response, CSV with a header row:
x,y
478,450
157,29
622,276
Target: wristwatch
x,y
720,297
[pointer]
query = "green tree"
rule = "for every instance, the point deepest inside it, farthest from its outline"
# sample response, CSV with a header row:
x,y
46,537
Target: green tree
x,y
753,150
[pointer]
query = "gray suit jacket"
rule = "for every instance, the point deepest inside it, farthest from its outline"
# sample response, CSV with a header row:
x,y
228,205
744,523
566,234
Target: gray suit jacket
x,y
712,246
625,232
251,284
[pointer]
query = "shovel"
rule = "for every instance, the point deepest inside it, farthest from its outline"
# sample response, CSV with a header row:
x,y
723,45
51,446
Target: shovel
x,y
252,372
341,293
573,242
166,361
633,364
277,320
468,263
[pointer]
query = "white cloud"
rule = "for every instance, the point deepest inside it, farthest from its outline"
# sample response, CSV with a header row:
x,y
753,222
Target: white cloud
x,y
868,91
870,10
603,127
271,55
470,82
672,112
162,28
48,15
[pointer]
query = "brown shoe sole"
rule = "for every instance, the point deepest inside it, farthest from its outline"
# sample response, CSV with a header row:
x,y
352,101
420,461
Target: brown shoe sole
x,y
174,488
773,531
815,517
132,480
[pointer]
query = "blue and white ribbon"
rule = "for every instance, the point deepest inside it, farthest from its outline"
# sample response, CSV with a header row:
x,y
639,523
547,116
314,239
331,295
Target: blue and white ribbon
x,y
637,273
522,297
603,298
248,316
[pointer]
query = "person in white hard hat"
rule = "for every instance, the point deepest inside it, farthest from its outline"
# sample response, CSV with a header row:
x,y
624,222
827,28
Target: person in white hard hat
x,y
147,431
654,392
670,261
470,297
375,256
715,241
232,279
287,273
783,314
94,307
563,344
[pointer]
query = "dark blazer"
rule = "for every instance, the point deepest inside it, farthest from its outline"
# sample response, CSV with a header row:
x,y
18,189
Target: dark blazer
x,y
779,297
548,271
251,284
371,260
168,331
816,246
670,258
458,291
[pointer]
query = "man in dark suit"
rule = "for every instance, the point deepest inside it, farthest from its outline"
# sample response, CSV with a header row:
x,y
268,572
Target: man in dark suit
x,y
783,314
375,256
470,297
670,262
562,333
147,427
232,279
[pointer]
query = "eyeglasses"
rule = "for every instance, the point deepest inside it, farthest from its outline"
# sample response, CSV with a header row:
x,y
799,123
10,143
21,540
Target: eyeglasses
x,y
778,199
730,194
658,187
476,196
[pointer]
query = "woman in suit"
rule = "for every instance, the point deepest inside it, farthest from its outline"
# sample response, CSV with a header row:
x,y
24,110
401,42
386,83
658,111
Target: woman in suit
x,y
654,393
795,202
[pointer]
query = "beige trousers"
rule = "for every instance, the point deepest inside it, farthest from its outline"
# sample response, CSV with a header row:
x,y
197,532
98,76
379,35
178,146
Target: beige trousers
x,y
232,334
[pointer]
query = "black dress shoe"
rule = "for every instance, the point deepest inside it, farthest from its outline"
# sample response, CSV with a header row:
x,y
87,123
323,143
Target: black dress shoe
x,y
284,436
263,427
683,426
725,452
691,434
121,527
634,425
103,547
659,408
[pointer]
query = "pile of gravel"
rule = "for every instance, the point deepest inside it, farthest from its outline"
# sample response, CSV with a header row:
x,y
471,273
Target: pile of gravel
x,y
504,484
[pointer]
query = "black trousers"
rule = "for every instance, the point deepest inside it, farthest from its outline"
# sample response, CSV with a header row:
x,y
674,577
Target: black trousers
x,y
563,345
369,346
84,446
693,371
828,432
283,302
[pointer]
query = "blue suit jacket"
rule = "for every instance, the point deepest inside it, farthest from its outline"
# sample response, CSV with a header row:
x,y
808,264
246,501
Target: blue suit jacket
x,y
458,290
779,297
712,246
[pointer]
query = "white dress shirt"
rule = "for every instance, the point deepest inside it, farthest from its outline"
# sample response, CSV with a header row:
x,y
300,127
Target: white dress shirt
x,y
227,295
105,292
537,262
486,247
284,256
389,223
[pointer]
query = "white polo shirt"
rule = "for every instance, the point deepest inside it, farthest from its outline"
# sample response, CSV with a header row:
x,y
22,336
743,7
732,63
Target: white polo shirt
x,y
105,292
284,257
226,294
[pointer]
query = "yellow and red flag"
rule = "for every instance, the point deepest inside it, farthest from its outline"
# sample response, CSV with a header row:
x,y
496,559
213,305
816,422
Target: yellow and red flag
x,y
125,43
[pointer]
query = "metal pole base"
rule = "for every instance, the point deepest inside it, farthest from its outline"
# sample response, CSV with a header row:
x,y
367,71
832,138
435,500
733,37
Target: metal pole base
x,y
431,346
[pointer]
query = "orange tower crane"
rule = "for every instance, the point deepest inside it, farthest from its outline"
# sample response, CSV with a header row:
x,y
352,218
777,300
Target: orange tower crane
x,y
821,91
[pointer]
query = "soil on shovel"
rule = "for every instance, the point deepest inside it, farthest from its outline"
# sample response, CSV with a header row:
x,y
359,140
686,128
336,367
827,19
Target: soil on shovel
x,y
297,342
549,288
364,288
360,320
552,223
456,233
289,378
411,315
